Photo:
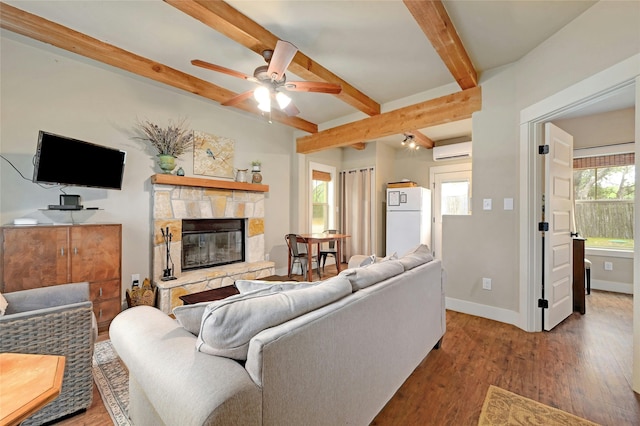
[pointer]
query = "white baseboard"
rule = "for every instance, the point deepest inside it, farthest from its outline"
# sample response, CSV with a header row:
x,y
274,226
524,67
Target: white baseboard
x,y
612,286
484,311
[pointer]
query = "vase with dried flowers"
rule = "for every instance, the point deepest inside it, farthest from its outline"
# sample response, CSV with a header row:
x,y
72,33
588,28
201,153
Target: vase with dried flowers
x,y
170,142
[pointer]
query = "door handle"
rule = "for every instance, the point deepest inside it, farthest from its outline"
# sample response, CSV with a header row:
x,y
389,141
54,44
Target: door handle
x,y
574,234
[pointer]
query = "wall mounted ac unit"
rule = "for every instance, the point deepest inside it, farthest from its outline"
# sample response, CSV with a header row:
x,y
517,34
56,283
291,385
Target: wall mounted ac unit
x,y
455,151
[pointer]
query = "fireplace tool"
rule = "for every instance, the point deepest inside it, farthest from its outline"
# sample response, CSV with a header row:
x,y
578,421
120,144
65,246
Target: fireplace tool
x,y
167,274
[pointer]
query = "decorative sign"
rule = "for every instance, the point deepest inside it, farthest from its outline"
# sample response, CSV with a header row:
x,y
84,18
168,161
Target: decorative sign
x,y
212,155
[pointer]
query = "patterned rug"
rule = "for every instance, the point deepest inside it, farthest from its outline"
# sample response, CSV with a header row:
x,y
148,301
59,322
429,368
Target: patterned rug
x,y
502,407
112,379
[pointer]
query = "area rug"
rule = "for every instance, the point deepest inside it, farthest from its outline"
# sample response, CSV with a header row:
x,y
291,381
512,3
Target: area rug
x,y
112,380
502,407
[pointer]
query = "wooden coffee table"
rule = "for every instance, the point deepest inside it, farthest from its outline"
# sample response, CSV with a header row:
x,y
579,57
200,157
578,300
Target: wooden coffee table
x,y
29,382
223,292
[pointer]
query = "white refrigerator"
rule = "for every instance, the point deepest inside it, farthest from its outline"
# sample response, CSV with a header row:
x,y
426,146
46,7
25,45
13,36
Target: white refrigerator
x,y
408,219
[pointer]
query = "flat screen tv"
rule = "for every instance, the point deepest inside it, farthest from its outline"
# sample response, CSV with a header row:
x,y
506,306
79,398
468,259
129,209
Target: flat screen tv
x,y
61,160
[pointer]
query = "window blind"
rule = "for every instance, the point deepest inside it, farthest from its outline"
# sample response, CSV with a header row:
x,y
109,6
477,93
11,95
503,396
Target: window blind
x,y
323,176
604,161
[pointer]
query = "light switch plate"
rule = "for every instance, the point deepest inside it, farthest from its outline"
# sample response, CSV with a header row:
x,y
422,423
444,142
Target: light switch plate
x,y
486,204
508,203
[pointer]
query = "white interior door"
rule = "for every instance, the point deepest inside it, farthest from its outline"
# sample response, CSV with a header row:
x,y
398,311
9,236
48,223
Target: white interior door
x,y
558,212
451,196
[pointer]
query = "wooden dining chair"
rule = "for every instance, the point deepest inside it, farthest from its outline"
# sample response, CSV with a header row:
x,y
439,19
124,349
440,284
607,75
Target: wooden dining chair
x,y
330,251
297,256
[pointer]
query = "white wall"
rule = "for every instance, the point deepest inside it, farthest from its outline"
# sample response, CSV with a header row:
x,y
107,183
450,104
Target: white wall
x,y
609,128
486,244
45,88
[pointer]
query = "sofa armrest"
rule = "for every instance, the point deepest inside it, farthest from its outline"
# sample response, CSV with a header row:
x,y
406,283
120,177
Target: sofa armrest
x,y
183,386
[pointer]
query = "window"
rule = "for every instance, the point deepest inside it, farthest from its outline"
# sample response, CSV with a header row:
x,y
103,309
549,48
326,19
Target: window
x,y
604,191
321,199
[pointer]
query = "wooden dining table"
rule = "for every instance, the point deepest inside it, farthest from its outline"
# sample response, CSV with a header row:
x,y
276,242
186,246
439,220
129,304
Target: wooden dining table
x,y
318,239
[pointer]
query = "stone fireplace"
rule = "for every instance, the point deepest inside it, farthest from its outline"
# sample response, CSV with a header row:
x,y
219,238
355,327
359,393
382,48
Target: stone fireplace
x,y
184,205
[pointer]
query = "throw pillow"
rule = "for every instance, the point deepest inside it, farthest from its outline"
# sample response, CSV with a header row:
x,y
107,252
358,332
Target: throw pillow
x,y
393,256
371,274
418,256
3,305
229,325
368,260
190,316
246,286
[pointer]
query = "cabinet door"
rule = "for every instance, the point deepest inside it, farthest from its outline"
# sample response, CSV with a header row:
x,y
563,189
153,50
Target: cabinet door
x,y
95,252
34,257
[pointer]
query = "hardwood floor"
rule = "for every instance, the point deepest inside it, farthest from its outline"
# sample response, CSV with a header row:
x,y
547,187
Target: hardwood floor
x,y
584,367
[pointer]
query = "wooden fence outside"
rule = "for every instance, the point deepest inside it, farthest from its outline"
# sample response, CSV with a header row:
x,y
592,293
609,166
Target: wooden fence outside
x,y
605,218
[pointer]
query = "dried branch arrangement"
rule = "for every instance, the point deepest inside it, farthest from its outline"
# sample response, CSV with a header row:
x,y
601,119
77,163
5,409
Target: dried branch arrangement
x,y
173,140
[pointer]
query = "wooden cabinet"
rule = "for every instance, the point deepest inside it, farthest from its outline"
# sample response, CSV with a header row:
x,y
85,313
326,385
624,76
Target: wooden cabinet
x,y
43,255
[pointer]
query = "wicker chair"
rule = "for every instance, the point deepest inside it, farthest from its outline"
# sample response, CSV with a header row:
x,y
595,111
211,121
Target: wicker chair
x,y
56,320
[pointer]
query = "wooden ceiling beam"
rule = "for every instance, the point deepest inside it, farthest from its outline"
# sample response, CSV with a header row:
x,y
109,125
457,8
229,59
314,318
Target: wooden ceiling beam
x,y
37,28
454,107
228,21
434,21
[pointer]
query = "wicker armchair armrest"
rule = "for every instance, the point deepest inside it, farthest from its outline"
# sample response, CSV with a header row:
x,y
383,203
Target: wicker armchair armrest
x,y
46,297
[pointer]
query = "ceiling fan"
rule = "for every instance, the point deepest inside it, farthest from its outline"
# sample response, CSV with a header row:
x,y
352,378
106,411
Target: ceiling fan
x,y
271,79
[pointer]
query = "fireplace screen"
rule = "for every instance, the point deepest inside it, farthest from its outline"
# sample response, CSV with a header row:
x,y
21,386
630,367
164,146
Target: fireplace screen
x,y
212,242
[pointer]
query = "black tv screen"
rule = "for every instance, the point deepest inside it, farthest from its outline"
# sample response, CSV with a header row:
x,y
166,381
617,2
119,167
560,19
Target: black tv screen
x,y
65,161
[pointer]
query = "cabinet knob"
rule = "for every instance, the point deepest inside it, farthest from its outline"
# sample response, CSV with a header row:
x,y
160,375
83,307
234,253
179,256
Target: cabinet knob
x,y
61,251
100,292
100,314
75,250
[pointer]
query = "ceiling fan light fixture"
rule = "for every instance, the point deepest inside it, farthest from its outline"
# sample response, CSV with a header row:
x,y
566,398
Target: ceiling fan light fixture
x,y
264,106
262,95
283,100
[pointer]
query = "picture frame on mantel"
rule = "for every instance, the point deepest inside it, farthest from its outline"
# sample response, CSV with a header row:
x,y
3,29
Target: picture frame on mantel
x,y
212,155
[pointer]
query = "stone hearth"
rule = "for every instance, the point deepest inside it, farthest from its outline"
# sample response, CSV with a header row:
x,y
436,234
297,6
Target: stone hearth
x,y
176,198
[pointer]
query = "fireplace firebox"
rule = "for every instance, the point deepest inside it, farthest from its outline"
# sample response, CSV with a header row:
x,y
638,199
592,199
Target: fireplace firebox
x,y
212,242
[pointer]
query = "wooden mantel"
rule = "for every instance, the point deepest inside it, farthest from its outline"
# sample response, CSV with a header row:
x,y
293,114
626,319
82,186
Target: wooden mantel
x,y
166,179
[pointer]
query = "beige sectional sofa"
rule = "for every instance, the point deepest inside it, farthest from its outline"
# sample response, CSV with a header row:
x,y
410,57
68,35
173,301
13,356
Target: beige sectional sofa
x,y
324,353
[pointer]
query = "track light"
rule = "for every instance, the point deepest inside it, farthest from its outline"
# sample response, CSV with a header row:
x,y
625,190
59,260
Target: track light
x,y
410,142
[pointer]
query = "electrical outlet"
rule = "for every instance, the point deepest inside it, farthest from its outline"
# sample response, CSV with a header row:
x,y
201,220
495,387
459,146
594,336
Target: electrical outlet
x,y
135,279
486,283
608,266
486,204
266,256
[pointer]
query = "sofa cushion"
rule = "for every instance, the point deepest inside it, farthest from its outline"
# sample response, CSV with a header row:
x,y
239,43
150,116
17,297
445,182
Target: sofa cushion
x,y
365,276
418,256
228,325
247,286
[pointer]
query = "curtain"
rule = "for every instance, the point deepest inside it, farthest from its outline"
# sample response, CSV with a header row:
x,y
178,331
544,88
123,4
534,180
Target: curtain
x,y
357,211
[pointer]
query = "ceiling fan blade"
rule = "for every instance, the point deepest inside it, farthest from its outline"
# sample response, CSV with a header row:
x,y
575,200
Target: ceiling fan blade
x,y
238,98
213,67
282,56
291,110
313,86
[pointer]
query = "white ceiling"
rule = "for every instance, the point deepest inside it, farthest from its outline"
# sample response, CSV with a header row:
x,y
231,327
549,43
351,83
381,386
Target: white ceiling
x,y
376,46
